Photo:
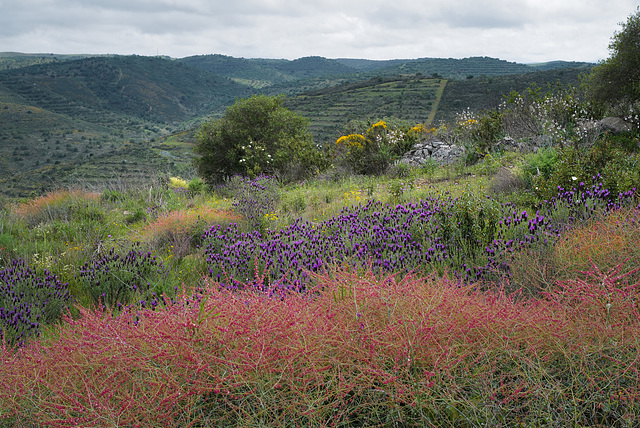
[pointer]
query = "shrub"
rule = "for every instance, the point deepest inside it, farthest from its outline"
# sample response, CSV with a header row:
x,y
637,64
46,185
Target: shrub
x,y
58,205
180,231
606,241
486,132
371,150
256,136
177,182
197,185
28,301
537,167
555,117
606,162
116,280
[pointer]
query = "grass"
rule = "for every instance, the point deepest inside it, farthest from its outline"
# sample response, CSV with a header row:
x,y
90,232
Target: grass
x,y
552,341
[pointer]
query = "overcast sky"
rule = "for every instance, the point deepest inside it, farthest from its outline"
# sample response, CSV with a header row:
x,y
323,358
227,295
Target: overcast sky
x,y
515,30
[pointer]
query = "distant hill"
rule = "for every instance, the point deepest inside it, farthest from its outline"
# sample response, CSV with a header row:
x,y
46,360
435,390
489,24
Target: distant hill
x,y
261,73
149,88
558,65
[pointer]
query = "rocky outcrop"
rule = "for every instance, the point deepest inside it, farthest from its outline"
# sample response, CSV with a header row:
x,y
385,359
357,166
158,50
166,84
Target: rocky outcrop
x,y
446,154
615,125
436,151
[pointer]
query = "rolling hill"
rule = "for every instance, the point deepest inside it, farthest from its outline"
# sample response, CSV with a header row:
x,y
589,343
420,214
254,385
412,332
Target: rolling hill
x,y
91,119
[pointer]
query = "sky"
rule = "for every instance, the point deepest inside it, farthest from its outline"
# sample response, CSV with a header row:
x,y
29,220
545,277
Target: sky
x,y
525,31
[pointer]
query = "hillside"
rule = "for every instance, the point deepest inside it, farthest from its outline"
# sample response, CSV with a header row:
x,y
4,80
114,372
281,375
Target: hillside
x,y
329,110
148,88
75,112
70,118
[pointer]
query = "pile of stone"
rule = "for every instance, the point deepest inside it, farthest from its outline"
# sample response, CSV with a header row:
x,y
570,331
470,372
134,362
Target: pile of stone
x,y
436,151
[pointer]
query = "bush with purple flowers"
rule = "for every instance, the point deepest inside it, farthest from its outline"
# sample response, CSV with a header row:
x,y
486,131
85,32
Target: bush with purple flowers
x,y
467,236
28,301
253,198
119,279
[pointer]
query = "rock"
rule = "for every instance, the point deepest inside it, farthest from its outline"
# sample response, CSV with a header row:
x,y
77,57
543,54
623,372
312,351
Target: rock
x,y
524,145
437,151
615,125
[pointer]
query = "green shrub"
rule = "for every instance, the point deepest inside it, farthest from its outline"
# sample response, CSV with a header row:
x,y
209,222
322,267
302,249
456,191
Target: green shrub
x,y
256,136
605,161
539,165
486,132
197,185
372,149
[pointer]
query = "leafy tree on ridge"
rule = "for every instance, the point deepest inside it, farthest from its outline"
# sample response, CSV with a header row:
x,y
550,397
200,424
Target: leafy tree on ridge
x,y
256,136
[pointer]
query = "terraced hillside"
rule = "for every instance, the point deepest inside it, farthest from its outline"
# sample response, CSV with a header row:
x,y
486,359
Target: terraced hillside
x,y
410,98
151,88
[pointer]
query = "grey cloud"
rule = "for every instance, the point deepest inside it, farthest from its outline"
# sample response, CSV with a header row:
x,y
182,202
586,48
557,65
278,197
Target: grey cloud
x,y
509,29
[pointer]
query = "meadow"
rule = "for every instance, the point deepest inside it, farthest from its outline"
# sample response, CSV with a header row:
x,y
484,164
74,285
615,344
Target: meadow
x,y
499,290
428,297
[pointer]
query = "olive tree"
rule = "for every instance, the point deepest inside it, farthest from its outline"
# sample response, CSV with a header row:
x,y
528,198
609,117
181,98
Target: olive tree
x,y
257,135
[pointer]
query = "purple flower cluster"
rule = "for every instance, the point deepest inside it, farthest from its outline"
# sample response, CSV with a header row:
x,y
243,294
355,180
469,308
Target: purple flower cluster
x,y
253,198
116,279
153,211
182,191
437,233
29,301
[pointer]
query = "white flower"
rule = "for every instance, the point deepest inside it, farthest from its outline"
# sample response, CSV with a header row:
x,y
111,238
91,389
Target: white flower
x,y
574,178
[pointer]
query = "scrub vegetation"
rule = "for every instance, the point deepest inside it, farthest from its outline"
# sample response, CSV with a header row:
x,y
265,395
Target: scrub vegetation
x,y
501,290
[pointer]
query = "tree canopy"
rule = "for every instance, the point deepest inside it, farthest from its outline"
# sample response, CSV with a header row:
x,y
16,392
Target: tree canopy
x,y
256,136
616,80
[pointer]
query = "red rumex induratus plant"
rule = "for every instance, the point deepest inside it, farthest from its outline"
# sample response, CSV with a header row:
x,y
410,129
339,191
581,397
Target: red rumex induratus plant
x,y
359,349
